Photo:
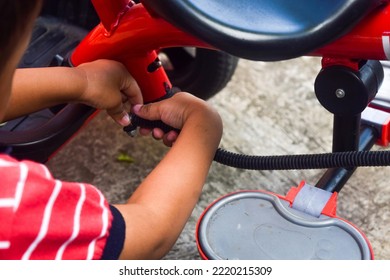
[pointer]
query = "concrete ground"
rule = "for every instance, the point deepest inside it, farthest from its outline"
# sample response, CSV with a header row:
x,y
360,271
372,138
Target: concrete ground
x,y
267,109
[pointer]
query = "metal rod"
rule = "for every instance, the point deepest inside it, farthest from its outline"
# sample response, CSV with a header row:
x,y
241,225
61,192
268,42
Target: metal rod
x,y
346,131
335,178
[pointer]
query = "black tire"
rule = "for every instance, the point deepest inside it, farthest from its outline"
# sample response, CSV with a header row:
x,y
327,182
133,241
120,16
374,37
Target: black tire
x,y
202,72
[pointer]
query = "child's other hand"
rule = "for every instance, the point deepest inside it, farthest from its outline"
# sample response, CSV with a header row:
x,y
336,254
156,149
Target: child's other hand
x,y
109,86
180,175
175,112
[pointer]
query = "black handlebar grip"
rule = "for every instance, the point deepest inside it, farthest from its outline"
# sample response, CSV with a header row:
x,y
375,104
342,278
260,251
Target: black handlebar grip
x,y
137,121
140,122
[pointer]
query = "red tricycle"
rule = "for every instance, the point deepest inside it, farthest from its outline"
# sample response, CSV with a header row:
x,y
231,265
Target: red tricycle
x,y
351,36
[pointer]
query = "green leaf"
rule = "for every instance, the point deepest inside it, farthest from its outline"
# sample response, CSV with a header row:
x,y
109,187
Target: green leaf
x,y
123,157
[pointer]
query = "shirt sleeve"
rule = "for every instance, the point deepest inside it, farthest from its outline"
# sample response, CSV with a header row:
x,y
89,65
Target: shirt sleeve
x,y
116,237
44,218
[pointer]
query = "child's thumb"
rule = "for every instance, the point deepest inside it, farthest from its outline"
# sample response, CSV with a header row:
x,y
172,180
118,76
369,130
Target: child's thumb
x,y
146,112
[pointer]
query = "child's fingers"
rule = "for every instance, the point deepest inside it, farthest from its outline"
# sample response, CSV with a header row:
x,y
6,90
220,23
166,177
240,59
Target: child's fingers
x,y
158,134
132,91
144,131
120,116
170,138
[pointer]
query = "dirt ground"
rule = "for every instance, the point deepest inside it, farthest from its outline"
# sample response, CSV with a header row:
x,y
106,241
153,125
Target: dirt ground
x,y
267,109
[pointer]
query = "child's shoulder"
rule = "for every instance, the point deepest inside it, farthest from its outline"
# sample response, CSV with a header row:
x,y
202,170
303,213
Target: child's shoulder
x,y
4,158
10,165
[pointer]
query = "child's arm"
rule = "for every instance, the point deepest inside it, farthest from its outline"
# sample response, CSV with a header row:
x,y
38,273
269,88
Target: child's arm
x,y
158,210
102,84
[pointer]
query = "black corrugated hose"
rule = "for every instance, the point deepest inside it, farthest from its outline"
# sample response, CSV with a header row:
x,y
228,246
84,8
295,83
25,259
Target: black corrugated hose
x,y
305,161
283,162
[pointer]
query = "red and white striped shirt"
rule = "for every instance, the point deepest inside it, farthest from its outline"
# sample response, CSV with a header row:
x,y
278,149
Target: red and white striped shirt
x,y
44,218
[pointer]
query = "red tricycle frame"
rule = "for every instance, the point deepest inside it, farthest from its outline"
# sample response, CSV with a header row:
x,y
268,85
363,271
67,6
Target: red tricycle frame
x,y
122,35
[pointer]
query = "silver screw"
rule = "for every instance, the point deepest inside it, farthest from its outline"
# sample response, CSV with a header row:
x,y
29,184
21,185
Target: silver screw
x,y
132,133
340,93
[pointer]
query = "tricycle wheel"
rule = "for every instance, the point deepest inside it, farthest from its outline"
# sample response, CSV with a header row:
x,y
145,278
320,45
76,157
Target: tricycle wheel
x,y
202,72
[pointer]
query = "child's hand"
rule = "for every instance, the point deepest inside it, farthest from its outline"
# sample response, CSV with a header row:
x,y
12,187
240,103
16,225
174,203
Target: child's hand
x,y
109,86
166,198
175,112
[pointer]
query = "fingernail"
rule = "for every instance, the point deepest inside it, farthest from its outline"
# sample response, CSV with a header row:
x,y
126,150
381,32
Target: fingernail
x,y
125,120
137,108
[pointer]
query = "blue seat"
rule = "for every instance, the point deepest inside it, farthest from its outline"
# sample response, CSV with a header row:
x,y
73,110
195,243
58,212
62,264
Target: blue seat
x,y
266,30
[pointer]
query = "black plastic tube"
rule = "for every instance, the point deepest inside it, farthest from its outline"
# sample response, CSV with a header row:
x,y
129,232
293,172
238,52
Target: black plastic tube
x,y
310,161
287,162
334,179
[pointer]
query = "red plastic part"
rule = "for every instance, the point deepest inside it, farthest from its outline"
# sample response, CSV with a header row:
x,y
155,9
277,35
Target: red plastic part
x,y
370,39
332,61
384,139
110,12
134,42
329,209
130,34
